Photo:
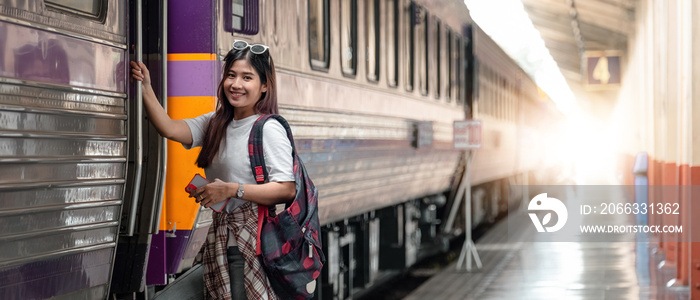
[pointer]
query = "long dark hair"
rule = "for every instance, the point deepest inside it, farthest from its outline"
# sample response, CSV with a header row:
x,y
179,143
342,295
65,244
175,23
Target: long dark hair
x,y
215,131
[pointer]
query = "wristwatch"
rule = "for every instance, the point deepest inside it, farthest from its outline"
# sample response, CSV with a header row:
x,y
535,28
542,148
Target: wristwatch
x,y
240,192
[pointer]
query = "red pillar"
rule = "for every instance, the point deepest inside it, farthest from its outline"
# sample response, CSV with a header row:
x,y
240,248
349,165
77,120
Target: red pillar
x,y
694,251
682,271
654,197
670,195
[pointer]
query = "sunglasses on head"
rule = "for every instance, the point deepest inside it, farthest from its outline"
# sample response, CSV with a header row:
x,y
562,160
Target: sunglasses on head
x,y
255,48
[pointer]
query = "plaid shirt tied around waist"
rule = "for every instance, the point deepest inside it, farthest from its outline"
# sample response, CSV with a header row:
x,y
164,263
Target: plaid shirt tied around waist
x,y
243,222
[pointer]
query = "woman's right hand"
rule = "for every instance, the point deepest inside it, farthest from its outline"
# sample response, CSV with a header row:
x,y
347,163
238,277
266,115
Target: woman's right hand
x,y
176,130
140,72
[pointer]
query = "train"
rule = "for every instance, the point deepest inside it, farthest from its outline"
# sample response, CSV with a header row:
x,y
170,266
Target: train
x,y
92,201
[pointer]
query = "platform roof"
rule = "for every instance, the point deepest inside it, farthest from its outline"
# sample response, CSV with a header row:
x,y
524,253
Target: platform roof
x,y
569,28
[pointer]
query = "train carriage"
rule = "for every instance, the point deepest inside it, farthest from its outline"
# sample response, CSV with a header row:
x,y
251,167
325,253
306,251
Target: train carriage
x,y
92,203
63,125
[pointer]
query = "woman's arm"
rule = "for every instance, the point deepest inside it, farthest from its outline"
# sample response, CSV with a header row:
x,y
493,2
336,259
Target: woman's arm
x,y
176,130
265,194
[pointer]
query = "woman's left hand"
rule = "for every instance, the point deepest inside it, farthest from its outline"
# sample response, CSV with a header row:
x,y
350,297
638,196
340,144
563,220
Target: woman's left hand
x,y
213,193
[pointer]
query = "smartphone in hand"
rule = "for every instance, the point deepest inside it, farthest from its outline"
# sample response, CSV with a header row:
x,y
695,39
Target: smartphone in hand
x,y
199,181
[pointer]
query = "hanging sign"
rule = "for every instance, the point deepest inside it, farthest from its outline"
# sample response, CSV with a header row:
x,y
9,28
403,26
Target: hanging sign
x,y
603,69
467,134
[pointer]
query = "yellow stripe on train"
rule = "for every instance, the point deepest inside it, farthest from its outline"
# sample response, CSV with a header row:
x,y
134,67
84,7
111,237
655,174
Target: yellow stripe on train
x,y
191,56
179,210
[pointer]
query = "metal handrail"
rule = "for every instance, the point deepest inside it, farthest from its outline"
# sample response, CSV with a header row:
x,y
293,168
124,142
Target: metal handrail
x,y
138,160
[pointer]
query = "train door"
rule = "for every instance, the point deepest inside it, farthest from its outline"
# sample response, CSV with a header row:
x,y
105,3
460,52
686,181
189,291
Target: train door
x,y
140,215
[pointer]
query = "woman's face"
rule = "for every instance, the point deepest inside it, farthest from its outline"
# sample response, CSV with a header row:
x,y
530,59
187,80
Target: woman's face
x,y
243,88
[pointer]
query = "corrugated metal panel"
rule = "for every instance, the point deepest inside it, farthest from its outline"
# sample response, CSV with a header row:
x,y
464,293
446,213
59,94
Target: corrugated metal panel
x,y
363,162
62,155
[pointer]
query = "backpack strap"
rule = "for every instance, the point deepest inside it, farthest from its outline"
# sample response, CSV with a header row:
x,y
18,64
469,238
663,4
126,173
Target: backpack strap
x,y
257,161
255,146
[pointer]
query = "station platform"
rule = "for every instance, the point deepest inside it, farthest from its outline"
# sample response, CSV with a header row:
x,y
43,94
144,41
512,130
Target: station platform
x,y
554,270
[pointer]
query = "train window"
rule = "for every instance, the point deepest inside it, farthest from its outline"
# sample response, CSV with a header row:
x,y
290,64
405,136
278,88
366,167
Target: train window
x,y
94,9
509,97
476,78
392,42
348,36
449,65
456,81
484,94
319,35
408,42
438,57
372,35
510,102
487,90
483,75
422,48
499,97
494,93
241,16
502,88
468,68
513,101
502,98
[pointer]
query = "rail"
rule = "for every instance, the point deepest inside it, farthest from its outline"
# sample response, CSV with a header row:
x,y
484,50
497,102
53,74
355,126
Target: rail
x,y
138,159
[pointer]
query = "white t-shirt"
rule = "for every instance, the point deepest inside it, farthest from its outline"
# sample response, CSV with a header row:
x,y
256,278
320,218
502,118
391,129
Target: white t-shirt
x,y
232,162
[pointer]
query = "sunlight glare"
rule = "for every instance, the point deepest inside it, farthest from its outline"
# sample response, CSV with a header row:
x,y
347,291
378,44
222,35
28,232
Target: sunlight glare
x,y
507,23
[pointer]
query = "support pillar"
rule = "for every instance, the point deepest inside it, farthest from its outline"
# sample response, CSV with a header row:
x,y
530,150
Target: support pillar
x,y
469,248
682,271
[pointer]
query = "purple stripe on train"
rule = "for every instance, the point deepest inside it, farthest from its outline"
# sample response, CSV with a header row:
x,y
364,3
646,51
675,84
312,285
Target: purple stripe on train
x,y
156,273
170,249
193,78
190,26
